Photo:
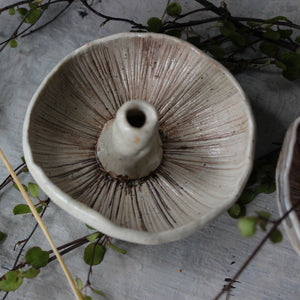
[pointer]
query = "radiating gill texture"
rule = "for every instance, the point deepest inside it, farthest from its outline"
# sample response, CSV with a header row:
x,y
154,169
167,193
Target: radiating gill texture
x,y
202,120
294,175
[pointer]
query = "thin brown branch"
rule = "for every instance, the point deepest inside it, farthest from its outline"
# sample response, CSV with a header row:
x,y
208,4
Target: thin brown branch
x,y
84,238
18,170
15,4
281,23
15,32
223,13
70,246
69,249
188,24
190,13
49,22
109,18
243,48
30,235
255,251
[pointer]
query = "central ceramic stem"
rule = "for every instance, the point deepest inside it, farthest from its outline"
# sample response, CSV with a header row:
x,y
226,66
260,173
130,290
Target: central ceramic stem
x,y
129,146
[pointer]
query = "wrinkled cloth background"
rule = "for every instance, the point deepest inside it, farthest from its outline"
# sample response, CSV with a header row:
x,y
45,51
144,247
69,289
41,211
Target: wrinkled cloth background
x,y
146,272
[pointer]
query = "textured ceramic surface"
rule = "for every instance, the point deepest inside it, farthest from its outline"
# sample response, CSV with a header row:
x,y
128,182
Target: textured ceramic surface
x,y
129,146
288,182
205,124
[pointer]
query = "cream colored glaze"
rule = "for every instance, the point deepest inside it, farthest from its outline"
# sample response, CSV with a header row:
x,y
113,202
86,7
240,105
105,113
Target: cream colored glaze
x,y
129,146
204,120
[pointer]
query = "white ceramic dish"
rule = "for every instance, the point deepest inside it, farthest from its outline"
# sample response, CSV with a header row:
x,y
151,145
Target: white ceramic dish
x,y
204,121
288,182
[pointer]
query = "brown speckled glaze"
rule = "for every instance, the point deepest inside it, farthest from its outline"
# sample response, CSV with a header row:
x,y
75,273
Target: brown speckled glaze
x,y
205,123
288,182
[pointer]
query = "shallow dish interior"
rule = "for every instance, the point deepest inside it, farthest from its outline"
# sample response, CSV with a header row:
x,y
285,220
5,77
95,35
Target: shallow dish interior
x,y
205,123
288,182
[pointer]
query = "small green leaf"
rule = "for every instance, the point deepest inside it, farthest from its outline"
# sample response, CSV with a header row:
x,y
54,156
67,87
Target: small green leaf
x,y
30,273
79,283
268,48
2,236
154,24
267,27
291,73
263,225
33,16
297,39
195,40
276,236
22,11
10,282
21,209
174,9
267,188
98,292
234,211
37,257
290,59
89,227
33,189
263,214
93,254
11,11
278,18
247,226
38,1
271,35
17,188
13,43
25,170
237,39
254,24
229,25
39,209
93,236
216,51
285,34
174,32
280,65
33,5
85,297
114,247
247,196
23,159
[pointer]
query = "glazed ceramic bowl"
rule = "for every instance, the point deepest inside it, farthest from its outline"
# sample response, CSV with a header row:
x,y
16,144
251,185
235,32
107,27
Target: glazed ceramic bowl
x,y
204,121
288,182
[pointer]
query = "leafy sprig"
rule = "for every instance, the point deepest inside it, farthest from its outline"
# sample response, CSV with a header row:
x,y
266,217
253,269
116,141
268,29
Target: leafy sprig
x,y
36,258
241,42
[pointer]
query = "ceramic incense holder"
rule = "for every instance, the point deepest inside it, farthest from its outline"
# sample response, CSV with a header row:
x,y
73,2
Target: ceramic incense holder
x,y
140,135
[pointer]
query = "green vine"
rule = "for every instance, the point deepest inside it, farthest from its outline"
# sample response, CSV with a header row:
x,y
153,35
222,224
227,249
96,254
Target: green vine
x,y
237,42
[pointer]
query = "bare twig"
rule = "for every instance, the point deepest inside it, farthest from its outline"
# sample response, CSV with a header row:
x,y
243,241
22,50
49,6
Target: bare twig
x,y
255,251
188,24
30,235
47,23
190,13
15,4
18,170
223,13
15,32
286,23
109,18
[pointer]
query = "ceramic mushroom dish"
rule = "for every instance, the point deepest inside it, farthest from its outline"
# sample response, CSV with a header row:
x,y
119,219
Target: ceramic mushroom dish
x,y
288,182
141,136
